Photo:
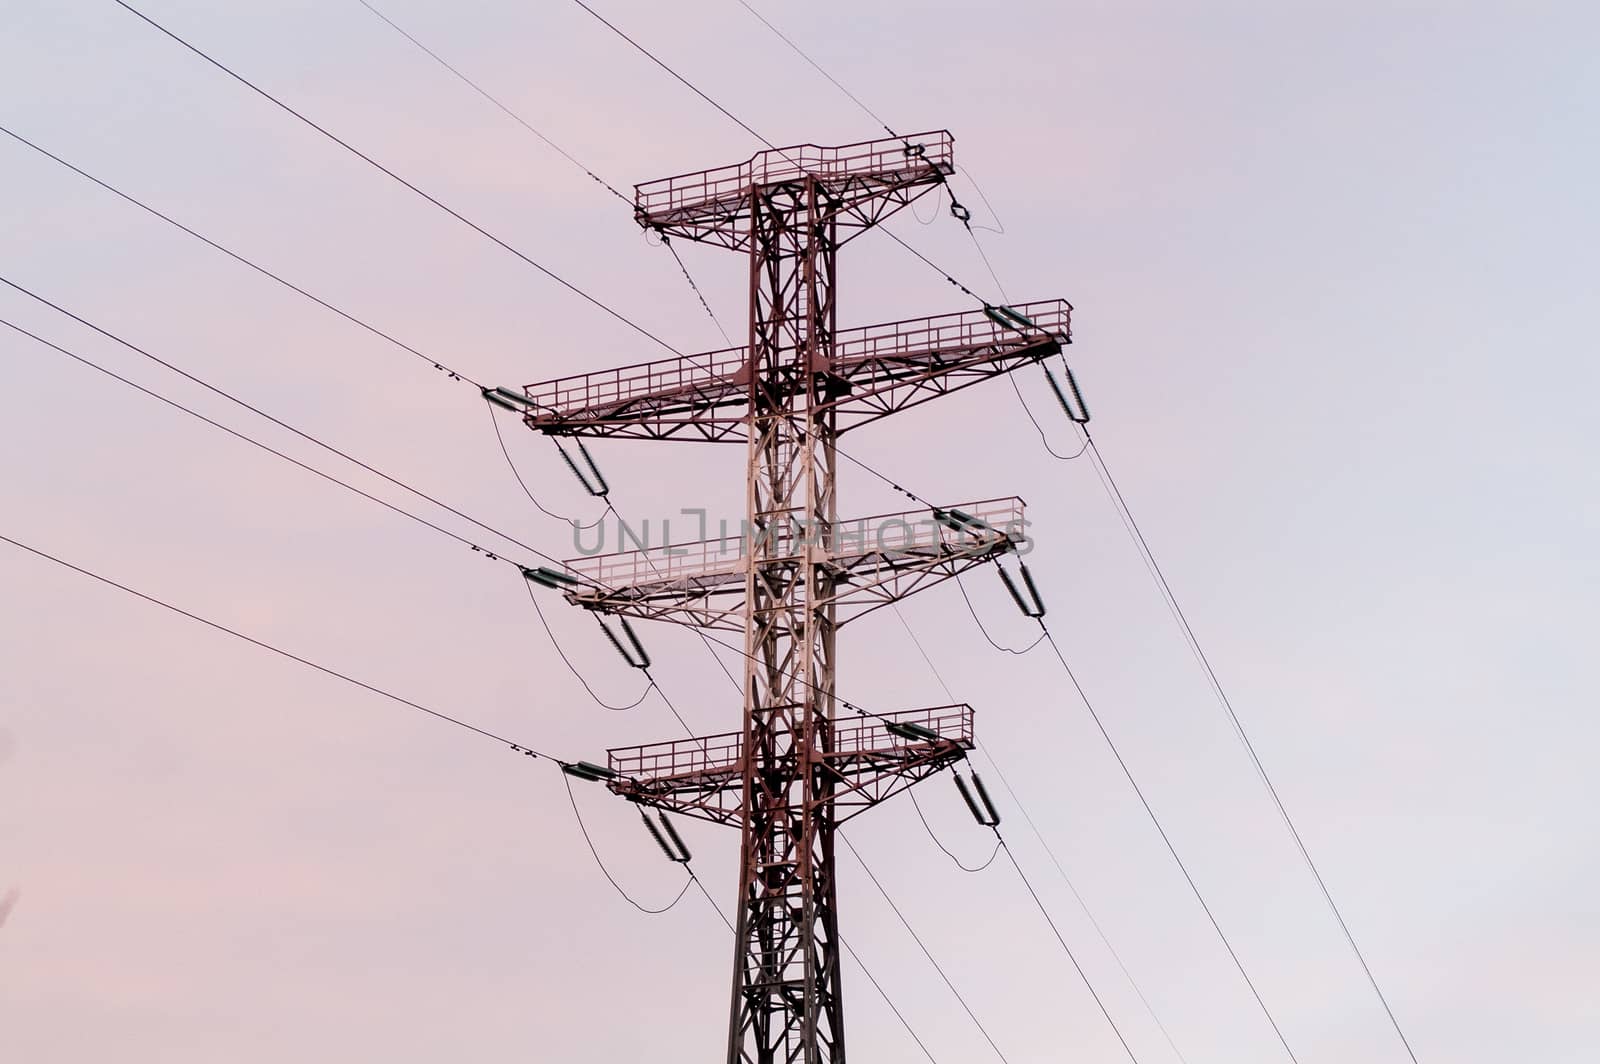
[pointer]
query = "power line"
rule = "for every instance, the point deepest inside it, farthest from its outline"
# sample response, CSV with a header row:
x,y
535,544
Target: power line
x,y
558,149
602,703
1066,948
1034,828
242,260
257,443
853,956
771,146
923,947
817,67
565,779
1121,506
457,215
642,50
523,484
277,421
513,115
521,748
1171,849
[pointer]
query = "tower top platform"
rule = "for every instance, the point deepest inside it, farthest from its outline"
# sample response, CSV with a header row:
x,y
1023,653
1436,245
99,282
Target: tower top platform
x,y
862,182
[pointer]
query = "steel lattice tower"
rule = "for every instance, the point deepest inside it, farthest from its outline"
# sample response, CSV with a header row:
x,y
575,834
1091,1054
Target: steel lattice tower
x,y
794,770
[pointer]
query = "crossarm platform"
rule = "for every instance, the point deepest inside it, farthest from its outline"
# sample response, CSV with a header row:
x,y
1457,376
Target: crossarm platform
x,y
874,560
876,370
702,776
863,182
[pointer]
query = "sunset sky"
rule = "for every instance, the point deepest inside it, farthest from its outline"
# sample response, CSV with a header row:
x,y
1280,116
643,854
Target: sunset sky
x,y
1334,271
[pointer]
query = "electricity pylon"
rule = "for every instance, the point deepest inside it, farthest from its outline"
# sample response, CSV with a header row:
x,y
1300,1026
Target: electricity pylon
x,y
796,573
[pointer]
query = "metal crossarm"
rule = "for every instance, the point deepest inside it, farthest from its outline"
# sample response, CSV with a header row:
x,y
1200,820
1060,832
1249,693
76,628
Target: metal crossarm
x,y
863,184
873,561
874,371
869,758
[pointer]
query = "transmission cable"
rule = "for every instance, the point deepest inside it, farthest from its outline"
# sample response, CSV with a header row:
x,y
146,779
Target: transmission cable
x,y
558,149
1034,828
454,374
523,484
618,315
1165,838
513,115
491,555
517,747
1066,948
922,946
771,146
1121,505
887,1000
607,872
279,422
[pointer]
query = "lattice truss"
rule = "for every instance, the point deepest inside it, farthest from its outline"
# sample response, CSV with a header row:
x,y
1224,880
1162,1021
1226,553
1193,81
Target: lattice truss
x,y
794,573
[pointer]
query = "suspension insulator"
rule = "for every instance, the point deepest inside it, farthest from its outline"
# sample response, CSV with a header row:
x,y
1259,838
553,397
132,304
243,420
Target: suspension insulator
x,y
594,482
985,816
684,856
1033,606
988,803
634,654
655,833
1076,410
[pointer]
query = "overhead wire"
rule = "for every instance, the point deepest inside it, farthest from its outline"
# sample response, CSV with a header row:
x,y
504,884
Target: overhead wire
x,y
504,108
515,746
504,450
550,143
1120,504
451,372
364,157
937,967
437,364
887,1000
1167,840
1083,905
258,411
491,555
647,53
595,853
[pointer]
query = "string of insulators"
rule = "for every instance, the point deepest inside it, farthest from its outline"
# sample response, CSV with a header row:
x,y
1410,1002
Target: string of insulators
x,y
987,816
507,399
960,521
675,850
1033,606
584,770
597,486
1007,318
634,654
552,578
1077,410
915,733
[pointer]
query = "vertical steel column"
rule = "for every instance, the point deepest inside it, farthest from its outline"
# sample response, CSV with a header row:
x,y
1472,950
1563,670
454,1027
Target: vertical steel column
x,y
787,1004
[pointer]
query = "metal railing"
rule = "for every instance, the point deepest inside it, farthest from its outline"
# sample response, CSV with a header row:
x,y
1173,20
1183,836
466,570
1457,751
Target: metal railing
x,y
718,756
934,150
